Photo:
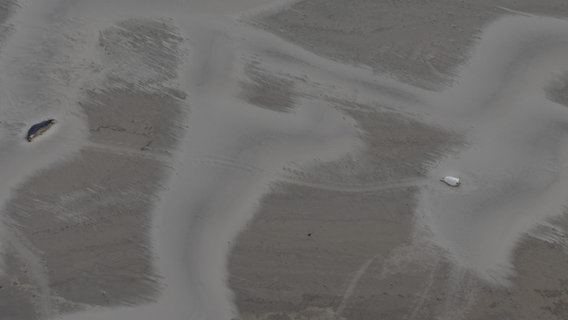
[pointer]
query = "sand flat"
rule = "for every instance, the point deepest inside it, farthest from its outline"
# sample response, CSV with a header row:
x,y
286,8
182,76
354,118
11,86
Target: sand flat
x,y
278,160
79,231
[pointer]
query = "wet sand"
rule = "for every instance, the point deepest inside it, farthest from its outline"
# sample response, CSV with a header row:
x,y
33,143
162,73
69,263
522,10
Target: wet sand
x,y
270,160
78,232
414,279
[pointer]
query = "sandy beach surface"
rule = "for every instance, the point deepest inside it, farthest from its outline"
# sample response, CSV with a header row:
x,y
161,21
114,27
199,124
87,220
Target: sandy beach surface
x,y
281,160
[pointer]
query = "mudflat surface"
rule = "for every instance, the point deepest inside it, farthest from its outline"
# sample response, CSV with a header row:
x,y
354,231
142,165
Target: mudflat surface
x,y
364,254
79,231
259,159
422,43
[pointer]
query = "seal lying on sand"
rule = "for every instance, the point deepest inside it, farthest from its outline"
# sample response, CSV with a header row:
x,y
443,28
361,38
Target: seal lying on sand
x,y
451,181
39,128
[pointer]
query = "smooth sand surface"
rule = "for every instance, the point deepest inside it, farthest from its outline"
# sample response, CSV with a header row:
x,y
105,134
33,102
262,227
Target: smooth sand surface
x,y
265,160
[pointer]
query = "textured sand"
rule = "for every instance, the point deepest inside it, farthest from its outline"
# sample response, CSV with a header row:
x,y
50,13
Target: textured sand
x,y
410,280
270,160
79,231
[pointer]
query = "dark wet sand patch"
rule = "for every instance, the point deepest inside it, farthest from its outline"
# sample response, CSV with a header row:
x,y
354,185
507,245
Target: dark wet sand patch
x,y
89,221
421,43
268,90
304,243
17,292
